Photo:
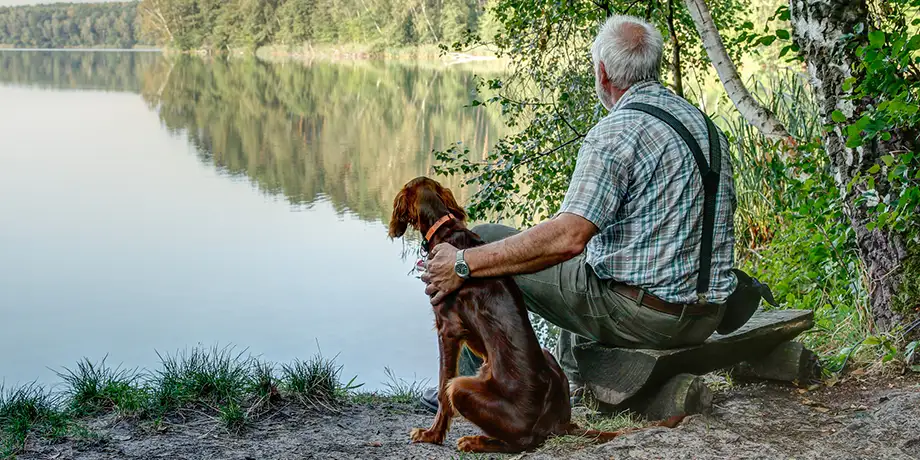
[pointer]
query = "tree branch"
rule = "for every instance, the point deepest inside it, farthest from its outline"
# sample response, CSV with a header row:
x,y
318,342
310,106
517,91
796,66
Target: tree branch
x,y
629,7
552,150
564,120
753,111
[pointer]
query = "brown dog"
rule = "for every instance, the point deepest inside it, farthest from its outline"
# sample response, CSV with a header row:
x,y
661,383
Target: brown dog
x,y
520,396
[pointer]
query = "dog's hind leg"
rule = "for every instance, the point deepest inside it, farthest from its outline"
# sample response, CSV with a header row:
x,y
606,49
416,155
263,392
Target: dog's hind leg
x,y
473,398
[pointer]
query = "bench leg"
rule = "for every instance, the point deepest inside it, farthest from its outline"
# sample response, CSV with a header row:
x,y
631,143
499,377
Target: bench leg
x,y
789,362
683,394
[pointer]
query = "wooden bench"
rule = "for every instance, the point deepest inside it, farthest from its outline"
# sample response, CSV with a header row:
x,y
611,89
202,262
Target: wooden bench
x,y
662,383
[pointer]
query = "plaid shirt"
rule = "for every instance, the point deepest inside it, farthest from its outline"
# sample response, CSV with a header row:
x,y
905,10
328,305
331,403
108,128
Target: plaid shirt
x,y
638,182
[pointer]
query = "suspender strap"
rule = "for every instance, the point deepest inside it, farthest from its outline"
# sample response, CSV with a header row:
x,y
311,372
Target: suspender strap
x,y
710,175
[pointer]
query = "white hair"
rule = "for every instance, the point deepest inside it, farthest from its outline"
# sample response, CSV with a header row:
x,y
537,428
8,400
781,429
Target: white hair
x,y
630,49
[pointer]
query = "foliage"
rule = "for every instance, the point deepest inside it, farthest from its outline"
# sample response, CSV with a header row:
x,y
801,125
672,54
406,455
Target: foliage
x,y
213,25
219,383
97,25
549,98
29,410
315,383
401,391
94,388
910,353
790,226
889,63
201,377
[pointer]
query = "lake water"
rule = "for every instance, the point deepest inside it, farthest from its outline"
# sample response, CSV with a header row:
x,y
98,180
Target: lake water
x,y
150,204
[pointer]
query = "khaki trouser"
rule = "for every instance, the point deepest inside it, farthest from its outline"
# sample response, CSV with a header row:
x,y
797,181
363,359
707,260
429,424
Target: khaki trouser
x,y
586,308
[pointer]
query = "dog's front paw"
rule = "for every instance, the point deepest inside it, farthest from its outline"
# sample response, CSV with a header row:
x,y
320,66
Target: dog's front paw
x,y
422,435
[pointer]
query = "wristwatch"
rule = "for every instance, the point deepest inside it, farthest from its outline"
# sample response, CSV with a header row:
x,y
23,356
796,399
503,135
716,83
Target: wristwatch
x,y
460,266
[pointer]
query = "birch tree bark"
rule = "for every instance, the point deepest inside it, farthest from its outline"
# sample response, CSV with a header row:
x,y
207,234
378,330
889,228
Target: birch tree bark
x,y
819,27
753,111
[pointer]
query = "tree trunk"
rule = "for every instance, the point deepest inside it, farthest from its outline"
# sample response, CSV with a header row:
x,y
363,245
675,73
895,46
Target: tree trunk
x,y
756,114
675,52
818,29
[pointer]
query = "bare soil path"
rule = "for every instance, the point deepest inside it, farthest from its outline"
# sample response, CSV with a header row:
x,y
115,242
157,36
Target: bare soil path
x,y
859,418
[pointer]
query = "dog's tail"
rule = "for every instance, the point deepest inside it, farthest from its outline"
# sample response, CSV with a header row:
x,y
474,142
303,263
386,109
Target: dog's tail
x,y
604,436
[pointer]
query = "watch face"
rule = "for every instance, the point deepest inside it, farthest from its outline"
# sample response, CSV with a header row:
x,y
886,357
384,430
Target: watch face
x,y
462,269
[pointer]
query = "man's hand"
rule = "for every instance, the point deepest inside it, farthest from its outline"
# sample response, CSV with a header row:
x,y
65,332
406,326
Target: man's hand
x,y
440,276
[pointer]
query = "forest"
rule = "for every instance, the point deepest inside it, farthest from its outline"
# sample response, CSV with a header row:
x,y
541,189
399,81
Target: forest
x,y
102,25
242,24
249,24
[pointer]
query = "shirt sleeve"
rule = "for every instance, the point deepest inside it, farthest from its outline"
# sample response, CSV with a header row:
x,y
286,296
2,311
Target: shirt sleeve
x,y
598,184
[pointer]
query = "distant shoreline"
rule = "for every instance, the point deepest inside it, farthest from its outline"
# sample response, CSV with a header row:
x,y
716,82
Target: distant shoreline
x,y
309,52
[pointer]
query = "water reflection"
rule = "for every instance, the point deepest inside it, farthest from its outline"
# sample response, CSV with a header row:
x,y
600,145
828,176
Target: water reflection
x,y
351,133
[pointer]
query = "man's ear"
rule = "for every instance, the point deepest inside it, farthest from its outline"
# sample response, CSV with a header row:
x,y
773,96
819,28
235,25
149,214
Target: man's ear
x,y
399,220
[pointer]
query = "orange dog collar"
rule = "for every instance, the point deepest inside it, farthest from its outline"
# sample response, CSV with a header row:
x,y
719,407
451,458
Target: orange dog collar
x,y
436,226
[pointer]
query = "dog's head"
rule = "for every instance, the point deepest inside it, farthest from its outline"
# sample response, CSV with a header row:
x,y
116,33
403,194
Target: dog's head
x,y
419,204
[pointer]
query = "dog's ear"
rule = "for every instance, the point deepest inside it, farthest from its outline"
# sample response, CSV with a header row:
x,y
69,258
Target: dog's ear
x,y
448,198
399,220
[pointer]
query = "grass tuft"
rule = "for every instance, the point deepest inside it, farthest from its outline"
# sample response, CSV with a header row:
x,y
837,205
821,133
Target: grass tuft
x,y
233,417
202,377
95,388
401,391
264,387
27,410
398,391
316,382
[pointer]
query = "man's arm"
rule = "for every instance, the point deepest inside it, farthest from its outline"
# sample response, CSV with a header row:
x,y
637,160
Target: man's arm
x,y
547,244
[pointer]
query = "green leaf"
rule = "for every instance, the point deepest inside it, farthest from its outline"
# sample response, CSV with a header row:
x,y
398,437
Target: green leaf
x,y
888,160
767,40
853,142
874,169
877,38
838,117
914,43
848,83
783,34
886,136
784,16
872,340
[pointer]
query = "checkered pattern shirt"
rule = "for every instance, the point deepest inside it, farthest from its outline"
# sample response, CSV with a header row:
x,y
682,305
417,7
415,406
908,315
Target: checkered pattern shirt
x,y
637,181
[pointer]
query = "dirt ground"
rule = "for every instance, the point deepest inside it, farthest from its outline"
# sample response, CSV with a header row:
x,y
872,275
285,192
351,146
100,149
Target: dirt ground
x,y
858,418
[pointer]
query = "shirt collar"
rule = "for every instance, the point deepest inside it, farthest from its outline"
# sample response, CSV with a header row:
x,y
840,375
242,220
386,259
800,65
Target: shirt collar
x,y
638,88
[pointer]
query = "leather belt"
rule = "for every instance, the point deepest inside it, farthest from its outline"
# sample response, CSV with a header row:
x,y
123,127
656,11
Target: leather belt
x,y
656,303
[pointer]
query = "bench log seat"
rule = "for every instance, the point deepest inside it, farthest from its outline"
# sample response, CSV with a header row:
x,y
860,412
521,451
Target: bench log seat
x,y
662,383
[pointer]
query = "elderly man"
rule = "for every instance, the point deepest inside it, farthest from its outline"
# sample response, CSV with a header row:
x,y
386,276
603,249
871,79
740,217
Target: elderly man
x,y
618,264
